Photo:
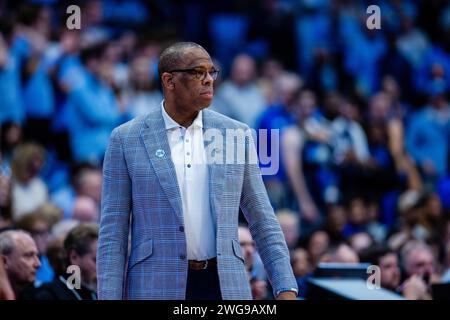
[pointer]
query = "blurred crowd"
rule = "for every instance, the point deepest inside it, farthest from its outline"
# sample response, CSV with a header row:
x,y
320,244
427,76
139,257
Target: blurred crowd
x,y
363,117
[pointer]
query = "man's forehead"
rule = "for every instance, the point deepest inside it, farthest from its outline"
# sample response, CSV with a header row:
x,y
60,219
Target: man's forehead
x,y
25,243
196,56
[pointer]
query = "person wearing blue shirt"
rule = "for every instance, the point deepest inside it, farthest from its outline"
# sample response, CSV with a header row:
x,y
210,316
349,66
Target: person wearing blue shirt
x,y
428,134
11,106
92,109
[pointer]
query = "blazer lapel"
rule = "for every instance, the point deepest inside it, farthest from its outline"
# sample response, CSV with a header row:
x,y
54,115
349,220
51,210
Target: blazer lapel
x,y
154,137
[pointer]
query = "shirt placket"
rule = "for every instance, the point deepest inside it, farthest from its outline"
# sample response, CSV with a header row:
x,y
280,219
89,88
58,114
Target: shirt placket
x,y
188,146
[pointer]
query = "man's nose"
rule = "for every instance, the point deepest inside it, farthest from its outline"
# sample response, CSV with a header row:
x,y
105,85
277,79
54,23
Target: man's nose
x,y
37,262
208,78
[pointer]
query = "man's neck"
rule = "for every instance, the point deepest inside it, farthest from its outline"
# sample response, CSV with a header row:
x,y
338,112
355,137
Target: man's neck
x,y
17,288
184,119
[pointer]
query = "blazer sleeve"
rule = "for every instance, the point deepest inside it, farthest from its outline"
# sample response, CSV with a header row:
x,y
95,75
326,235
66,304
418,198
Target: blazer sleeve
x,y
264,226
114,222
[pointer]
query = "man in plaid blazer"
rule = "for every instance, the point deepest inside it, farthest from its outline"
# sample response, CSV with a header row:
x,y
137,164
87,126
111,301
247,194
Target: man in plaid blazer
x,y
173,189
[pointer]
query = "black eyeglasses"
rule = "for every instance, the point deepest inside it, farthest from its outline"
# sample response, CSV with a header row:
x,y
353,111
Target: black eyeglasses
x,y
198,73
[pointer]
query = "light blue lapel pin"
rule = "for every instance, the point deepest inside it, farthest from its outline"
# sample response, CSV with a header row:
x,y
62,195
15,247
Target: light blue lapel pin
x,y
160,153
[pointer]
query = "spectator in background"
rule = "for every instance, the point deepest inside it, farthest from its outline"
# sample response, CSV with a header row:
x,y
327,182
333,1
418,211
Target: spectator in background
x,y
279,116
357,217
241,97
11,137
360,241
88,182
410,208
305,142
85,209
38,91
301,266
5,202
387,260
271,71
50,213
418,265
428,134
318,244
345,254
92,107
37,226
253,264
335,222
80,248
142,93
28,190
11,104
20,257
290,225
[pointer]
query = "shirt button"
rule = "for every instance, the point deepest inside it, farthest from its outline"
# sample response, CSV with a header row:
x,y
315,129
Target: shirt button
x,y
181,228
182,257
187,140
188,153
188,165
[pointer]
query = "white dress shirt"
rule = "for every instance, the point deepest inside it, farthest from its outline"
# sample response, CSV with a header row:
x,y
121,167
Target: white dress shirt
x,y
189,158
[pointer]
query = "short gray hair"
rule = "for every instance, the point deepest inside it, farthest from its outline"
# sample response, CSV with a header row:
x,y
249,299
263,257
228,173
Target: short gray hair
x,y
412,246
7,240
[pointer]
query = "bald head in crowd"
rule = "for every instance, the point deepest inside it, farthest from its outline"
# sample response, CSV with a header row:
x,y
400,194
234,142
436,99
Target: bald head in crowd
x,y
85,209
20,258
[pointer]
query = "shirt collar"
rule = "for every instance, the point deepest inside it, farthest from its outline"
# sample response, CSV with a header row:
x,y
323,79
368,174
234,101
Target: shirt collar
x,y
171,124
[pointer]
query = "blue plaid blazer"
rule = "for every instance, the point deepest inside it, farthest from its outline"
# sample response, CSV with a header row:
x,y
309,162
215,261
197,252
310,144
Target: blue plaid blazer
x,y
141,200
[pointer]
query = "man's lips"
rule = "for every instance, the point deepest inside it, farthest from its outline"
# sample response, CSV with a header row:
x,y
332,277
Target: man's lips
x,y
207,93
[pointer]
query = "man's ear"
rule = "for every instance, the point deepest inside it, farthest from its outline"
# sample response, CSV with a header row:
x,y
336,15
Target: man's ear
x,y
167,80
73,257
5,261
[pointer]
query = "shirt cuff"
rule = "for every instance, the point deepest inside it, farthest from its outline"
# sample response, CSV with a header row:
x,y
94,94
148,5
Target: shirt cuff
x,y
285,290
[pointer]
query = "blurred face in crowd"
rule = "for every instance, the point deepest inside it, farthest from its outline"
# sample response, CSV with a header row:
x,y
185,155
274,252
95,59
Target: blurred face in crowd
x,y
13,136
379,107
243,70
331,104
391,87
349,110
85,210
22,263
271,69
433,207
390,271
300,262
247,245
360,241
336,219
357,212
286,85
42,23
192,90
419,262
40,234
91,184
289,226
306,104
318,244
87,263
140,73
345,254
